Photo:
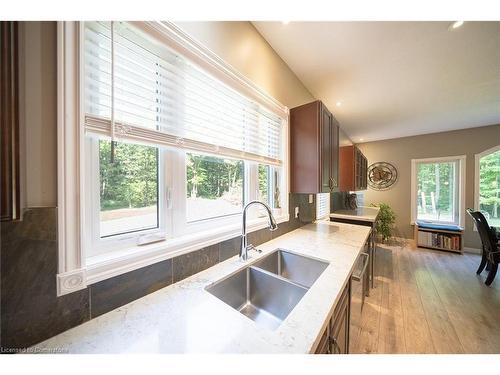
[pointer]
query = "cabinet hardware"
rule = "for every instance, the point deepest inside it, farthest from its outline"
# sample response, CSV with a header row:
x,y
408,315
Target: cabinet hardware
x,y
363,270
336,347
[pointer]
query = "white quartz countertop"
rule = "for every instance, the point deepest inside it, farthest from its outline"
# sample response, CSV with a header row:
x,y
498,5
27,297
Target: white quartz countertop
x,y
185,318
361,213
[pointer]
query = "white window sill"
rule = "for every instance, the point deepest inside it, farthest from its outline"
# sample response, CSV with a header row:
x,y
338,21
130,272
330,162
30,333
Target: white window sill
x,y
105,266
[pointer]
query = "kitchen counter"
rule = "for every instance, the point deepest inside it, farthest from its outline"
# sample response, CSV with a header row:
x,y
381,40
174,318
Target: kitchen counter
x,y
361,213
185,318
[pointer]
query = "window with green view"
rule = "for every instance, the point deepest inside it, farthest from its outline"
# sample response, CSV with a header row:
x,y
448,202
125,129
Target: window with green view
x,y
489,188
437,192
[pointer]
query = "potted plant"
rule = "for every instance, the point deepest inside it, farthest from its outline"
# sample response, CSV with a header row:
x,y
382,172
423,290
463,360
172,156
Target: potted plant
x,y
385,221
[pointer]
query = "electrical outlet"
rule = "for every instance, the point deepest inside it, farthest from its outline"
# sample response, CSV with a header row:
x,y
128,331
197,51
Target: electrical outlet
x,y
296,212
310,198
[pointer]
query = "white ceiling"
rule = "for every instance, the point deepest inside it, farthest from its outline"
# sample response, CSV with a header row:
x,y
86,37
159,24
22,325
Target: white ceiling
x,y
396,79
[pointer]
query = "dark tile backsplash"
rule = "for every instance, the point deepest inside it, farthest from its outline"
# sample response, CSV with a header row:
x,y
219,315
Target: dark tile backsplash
x,y
196,261
307,211
30,310
337,201
259,236
117,291
229,248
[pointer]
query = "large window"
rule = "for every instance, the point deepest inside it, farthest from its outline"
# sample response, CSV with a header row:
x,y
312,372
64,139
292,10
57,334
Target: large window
x,y
488,185
128,188
437,193
214,187
438,190
160,145
171,151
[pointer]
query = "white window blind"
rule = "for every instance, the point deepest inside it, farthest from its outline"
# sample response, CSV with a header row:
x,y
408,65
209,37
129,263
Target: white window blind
x,y
322,205
139,89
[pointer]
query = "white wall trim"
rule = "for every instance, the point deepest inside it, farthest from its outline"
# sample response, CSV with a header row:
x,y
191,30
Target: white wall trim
x,y
71,259
413,189
113,264
71,281
463,174
472,250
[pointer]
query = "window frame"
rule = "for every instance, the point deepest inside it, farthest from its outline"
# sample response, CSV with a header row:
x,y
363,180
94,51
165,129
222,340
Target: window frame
x,y
181,236
477,159
76,269
171,210
97,244
179,185
461,159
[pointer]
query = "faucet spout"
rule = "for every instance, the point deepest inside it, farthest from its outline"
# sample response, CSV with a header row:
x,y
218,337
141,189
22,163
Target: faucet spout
x,y
244,240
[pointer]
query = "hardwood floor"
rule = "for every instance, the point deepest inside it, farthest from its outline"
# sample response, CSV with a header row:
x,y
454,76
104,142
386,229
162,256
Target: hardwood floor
x,y
426,301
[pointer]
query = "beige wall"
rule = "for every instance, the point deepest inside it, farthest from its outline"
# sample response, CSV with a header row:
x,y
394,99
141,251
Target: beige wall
x,y
38,103
400,151
238,43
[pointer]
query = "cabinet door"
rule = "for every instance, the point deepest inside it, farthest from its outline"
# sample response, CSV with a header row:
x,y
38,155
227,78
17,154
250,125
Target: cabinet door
x,y
340,324
356,308
334,140
341,335
360,170
324,344
325,150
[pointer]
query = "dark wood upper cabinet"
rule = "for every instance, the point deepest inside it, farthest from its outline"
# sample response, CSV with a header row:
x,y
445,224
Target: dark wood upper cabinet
x,y
314,149
10,198
353,169
335,153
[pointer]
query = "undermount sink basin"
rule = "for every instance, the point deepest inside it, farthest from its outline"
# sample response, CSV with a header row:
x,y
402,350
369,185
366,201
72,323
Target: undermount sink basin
x,y
268,290
262,297
297,268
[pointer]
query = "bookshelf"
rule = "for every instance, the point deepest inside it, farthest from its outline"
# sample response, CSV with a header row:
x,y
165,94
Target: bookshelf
x,y
439,239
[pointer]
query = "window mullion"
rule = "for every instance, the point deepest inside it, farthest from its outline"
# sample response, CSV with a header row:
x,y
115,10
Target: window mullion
x,y
252,187
92,195
165,224
178,191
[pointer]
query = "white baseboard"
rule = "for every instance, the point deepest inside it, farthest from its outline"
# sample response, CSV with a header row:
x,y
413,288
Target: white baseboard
x,y
472,250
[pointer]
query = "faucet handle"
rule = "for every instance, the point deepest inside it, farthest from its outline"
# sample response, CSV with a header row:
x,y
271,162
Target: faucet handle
x,y
252,247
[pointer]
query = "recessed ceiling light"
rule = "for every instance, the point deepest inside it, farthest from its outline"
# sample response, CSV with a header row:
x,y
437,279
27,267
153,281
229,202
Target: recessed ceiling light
x,y
338,104
456,25
361,139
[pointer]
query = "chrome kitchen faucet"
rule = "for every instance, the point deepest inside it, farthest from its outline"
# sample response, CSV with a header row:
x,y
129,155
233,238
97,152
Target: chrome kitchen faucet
x,y
244,241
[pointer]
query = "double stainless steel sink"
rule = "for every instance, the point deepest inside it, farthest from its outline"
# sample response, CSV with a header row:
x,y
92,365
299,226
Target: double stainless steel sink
x,y
269,289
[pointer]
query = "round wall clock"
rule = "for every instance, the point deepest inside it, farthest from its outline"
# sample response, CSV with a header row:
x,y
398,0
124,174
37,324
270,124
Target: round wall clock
x,y
382,175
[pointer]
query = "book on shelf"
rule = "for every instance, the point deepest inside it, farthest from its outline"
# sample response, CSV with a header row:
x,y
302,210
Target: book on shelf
x,y
440,240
